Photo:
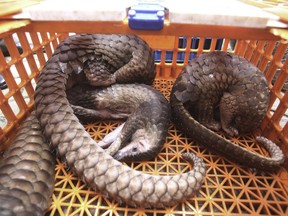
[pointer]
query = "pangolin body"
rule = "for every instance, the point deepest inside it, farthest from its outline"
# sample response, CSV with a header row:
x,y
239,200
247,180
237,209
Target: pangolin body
x,y
74,145
226,85
126,59
146,111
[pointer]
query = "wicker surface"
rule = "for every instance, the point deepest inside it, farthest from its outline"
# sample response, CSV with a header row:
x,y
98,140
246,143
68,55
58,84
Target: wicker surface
x,y
229,189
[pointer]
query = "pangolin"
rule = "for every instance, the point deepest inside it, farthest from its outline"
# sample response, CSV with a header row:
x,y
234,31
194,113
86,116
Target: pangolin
x,y
228,86
146,111
126,59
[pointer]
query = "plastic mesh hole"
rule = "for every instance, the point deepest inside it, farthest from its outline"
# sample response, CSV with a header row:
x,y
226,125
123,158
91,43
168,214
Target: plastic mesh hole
x,y
39,37
219,44
37,61
284,119
17,43
15,74
276,75
25,95
52,47
3,120
3,84
182,43
29,39
207,43
33,82
26,65
195,42
180,57
232,45
274,106
168,56
157,56
13,105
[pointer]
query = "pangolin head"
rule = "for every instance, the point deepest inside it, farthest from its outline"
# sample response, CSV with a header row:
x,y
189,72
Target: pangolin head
x,y
144,145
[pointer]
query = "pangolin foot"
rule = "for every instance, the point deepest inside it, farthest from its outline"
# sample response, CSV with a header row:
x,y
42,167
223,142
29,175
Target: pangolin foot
x,y
215,126
231,131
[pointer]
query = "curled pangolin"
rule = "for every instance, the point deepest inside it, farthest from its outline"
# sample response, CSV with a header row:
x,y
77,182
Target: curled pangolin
x,y
220,82
146,110
126,59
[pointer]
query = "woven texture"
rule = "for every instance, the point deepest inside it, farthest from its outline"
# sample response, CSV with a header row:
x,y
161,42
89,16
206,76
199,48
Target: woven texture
x,y
229,189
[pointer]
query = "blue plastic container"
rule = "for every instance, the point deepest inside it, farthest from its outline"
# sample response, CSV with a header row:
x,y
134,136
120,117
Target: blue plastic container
x,y
146,16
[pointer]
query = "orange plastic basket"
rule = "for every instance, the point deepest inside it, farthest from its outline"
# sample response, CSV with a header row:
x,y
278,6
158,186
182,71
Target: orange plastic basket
x,y
229,189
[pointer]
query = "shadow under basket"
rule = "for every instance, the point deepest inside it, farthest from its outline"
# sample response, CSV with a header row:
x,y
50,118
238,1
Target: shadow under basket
x,y
228,189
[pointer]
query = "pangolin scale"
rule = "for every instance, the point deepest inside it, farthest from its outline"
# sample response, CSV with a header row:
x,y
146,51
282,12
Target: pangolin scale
x,y
226,85
128,59
145,109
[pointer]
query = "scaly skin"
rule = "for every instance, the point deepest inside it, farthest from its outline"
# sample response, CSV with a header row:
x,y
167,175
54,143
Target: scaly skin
x,y
27,172
229,84
74,145
146,110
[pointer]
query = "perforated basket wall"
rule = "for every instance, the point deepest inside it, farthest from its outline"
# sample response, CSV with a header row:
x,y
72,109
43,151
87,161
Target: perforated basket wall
x,y
229,189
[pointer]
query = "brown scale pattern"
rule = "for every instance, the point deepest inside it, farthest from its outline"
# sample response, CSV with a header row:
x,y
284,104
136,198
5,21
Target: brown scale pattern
x,y
228,189
79,151
239,90
26,172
